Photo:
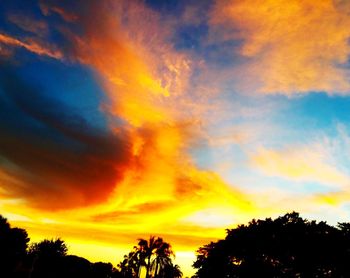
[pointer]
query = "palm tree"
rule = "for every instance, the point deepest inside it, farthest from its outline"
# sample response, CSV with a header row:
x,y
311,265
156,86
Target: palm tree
x,y
147,250
177,273
130,266
171,271
154,254
163,258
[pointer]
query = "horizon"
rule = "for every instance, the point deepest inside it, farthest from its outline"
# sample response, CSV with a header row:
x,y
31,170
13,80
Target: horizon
x,y
179,119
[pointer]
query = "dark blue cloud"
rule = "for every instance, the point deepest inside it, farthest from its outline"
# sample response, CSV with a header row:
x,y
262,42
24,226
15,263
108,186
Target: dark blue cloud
x,y
56,153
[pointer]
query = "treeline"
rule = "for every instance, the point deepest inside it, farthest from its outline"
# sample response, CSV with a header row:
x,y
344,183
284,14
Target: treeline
x,y
49,259
288,246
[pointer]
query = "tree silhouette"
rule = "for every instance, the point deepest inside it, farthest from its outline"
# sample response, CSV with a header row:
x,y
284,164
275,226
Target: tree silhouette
x,y
153,255
176,272
288,246
50,260
103,270
130,267
162,258
13,245
149,251
49,248
47,257
171,271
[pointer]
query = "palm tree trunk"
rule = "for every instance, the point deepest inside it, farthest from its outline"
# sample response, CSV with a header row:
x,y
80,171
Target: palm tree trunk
x,y
138,269
148,266
156,271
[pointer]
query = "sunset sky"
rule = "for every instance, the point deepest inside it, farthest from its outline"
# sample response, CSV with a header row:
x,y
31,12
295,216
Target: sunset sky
x,y
121,119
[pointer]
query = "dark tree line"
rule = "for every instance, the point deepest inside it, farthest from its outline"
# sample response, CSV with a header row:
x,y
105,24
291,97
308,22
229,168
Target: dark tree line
x,y
49,259
288,246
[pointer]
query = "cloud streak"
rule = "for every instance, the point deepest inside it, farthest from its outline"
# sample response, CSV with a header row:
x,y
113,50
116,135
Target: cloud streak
x,y
300,164
31,45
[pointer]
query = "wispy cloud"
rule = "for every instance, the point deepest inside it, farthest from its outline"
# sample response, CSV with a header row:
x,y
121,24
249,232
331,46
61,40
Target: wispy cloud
x,y
300,164
28,23
31,45
286,47
49,7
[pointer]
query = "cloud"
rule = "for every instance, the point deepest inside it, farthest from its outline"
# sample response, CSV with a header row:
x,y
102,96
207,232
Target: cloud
x,y
57,160
29,24
299,164
48,7
147,82
285,47
31,45
332,199
144,160
139,65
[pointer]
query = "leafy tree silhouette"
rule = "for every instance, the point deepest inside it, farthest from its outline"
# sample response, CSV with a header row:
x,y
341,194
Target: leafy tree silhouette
x,y
50,260
288,246
49,248
47,257
104,270
13,245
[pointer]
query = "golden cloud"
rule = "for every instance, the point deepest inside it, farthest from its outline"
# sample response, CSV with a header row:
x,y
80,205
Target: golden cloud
x,y
287,47
299,164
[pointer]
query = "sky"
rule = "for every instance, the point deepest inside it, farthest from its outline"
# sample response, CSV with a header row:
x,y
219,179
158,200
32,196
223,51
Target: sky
x,y
124,119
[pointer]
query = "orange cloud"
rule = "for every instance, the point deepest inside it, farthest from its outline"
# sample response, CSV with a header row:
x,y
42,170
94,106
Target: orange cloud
x,y
287,47
31,46
145,183
141,177
141,69
146,81
47,8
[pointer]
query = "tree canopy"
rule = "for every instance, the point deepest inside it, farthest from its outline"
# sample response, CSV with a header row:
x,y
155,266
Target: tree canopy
x,y
288,246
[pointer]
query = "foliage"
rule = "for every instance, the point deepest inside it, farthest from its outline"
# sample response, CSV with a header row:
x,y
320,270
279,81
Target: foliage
x,y
154,256
288,246
49,248
13,245
49,259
